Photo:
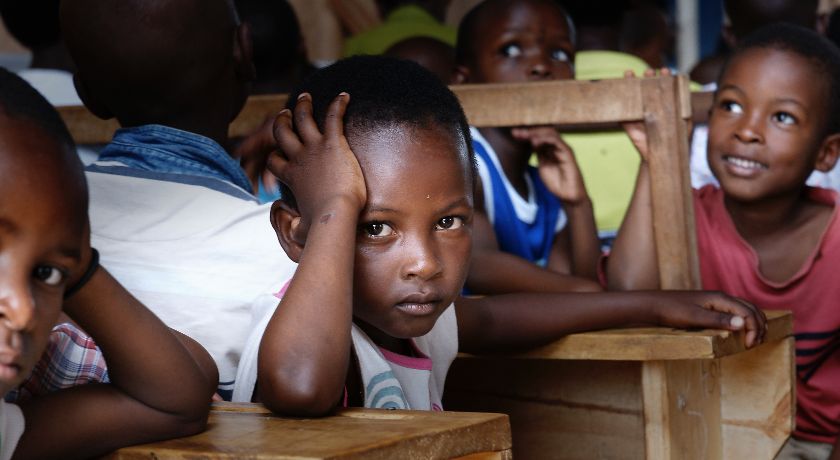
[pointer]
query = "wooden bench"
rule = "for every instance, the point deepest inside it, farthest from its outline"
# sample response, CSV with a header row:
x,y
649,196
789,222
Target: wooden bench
x,y
250,431
674,394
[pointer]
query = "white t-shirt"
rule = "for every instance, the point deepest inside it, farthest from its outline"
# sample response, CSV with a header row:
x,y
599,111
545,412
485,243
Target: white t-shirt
x,y
11,428
198,257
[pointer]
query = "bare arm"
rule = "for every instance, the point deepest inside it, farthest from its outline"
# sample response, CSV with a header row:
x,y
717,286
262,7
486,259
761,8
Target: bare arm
x,y
493,271
579,239
516,321
305,351
157,389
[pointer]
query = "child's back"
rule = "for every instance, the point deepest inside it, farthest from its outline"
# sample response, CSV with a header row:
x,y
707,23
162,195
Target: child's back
x,y
764,235
171,211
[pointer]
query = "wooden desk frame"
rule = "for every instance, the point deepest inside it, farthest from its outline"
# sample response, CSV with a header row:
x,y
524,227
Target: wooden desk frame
x,y
681,395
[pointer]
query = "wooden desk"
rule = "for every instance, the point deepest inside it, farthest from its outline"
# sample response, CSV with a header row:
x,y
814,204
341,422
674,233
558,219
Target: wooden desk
x,y
639,393
250,431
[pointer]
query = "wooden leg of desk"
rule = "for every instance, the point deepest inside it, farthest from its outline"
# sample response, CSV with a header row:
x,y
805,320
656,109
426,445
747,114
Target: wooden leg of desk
x,y
682,409
500,455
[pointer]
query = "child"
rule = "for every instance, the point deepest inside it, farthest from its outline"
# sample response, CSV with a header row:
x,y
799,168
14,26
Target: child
x,y
525,240
157,389
764,235
382,234
171,211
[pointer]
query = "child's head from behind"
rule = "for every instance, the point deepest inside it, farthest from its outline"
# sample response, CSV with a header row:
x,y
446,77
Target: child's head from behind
x,y
506,41
776,115
161,61
412,141
43,221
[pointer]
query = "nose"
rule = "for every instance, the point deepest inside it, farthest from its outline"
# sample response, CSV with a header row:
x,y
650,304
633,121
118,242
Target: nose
x,y
749,129
17,306
540,67
421,258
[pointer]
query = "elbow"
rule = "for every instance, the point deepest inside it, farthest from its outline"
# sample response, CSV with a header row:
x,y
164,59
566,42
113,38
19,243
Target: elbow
x,y
297,397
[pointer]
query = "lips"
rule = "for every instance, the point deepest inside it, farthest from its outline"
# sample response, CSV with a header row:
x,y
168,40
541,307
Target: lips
x,y
744,167
419,304
9,367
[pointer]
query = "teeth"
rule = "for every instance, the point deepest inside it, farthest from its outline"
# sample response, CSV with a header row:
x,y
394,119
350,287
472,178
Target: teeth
x,y
744,163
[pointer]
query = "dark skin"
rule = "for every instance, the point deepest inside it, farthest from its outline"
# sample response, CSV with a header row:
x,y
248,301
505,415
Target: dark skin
x,y
763,144
158,390
114,51
531,41
392,235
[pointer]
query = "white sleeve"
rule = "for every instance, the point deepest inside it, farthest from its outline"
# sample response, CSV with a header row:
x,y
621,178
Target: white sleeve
x,y
11,428
246,373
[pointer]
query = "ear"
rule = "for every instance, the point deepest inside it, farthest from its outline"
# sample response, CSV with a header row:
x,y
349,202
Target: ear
x,y
243,53
286,222
460,75
828,154
90,100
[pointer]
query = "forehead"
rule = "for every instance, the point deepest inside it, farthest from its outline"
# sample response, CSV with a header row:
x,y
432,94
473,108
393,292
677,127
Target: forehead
x,y
526,16
412,157
776,72
38,175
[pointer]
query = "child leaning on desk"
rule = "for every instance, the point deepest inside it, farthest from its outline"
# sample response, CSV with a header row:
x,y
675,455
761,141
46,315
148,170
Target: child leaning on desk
x,y
157,389
764,235
375,154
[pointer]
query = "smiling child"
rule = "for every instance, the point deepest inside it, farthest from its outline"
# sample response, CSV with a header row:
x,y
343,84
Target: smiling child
x,y
764,235
378,211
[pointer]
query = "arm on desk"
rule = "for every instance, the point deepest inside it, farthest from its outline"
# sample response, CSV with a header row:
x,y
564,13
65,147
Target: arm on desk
x,y
518,321
158,390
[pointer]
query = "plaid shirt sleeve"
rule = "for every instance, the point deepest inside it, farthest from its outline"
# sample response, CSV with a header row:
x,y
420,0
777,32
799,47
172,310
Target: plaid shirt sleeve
x,y
71,359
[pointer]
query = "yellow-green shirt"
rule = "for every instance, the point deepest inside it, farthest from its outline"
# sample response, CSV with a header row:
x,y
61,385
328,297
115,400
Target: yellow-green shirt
x,y
404,22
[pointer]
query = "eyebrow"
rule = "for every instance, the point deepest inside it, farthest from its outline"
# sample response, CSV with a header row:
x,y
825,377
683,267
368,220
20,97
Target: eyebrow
x,y
777,100
7,226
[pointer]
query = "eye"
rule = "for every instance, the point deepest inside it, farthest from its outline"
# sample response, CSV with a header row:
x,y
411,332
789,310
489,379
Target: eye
x,y
450,223
377,229
560,55
48,275
784,118
731,106
511,50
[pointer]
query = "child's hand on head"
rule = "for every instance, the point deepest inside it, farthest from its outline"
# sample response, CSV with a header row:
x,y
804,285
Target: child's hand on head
x,y
636,129
557,166
318,167
713,310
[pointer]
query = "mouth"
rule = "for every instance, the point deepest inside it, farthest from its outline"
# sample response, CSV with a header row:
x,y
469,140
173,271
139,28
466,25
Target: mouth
x,y
9,368
419,304
743,166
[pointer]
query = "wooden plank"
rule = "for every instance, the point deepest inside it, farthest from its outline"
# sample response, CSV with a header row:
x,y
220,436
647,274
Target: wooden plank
x,y
560,409
682,409
655,343
767,374
239,431
673,215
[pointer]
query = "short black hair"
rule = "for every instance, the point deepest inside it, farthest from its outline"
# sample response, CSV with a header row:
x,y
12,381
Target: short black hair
x,y
384,92
823,55
748,16
34,23
275,32
19,100
472,25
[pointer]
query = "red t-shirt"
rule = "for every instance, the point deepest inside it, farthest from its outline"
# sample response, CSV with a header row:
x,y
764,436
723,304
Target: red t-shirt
x,y
729,264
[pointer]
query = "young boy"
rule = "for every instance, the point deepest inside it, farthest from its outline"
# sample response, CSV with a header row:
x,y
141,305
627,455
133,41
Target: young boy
x,y
525,240
157,389
171,211
383,234
764,235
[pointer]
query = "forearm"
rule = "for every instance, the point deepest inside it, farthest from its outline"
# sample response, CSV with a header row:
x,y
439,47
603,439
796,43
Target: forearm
x,y
585,247
304,354
497,272
146,361
519,321
632,263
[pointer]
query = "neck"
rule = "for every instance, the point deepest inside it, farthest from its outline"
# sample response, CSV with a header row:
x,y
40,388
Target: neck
x,y
755,219
381,339
513,154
